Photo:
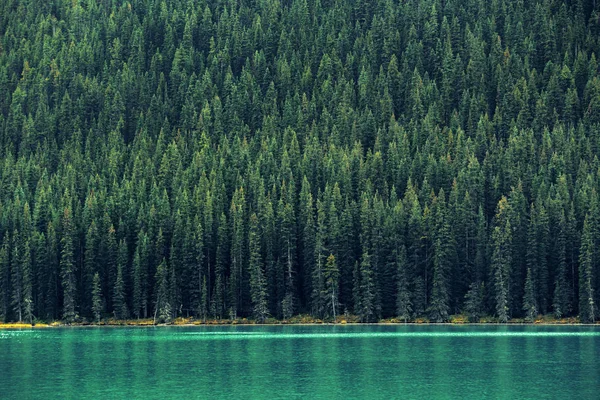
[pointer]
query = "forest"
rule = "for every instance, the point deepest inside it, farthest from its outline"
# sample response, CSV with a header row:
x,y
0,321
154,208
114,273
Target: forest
x,y
263,159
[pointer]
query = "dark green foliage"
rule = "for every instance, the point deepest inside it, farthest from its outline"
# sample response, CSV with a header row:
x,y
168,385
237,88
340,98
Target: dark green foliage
x,y
332,280
4,281
403,300
501,260
587,307
366,296
474,301
138,139
97,306
529,300
67,268
562,290
119,300
443,259
258,283
162,307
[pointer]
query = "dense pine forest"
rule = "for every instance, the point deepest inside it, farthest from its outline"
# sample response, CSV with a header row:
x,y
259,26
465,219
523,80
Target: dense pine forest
x,y
268,158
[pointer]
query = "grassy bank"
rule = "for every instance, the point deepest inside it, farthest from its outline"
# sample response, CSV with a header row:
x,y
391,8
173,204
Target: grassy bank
x,y
297,320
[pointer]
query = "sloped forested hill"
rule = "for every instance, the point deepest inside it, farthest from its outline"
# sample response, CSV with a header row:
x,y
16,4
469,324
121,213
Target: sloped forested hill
x,y
255,158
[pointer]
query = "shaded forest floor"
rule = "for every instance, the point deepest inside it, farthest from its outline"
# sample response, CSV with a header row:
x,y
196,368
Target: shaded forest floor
x,y
297,320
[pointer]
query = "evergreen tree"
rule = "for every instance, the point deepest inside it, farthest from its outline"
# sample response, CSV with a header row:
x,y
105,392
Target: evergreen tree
x,y
258,289
17,300
403,300
97,306
366,312
203,304
529,301
162,305
119,300
67,268
443,248
587,308
27,284
4,281
474,304
140,277
561,300
501,259
318,276
332,277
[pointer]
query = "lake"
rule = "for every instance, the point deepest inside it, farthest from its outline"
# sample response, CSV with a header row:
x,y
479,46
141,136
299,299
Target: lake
x,y
303,362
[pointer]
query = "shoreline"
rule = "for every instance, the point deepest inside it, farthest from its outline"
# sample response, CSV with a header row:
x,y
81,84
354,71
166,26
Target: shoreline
x,y
133,324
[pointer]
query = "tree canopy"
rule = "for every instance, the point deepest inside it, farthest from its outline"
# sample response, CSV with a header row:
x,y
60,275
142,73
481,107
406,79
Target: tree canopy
x,y
257,158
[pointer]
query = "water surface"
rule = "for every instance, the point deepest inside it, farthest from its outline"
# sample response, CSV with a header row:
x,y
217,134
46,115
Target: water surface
x,y
303,362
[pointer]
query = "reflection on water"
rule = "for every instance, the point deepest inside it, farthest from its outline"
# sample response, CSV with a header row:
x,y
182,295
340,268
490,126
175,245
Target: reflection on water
x,y
424,362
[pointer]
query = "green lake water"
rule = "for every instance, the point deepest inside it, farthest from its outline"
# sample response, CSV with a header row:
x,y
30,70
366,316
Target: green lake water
x,y
303,362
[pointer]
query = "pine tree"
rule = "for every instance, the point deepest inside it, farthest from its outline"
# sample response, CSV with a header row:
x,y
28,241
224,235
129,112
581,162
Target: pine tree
x,y
501,260
529,300
140,277
331,275
288,254
318,276
561,301
308,231
90,266
17,279
4,280
367,310
220,265
67,268
419,297
203,304
258,287
237,252
27,283
403,300
587,309
162,305
474,301
97,306
119,299
443,249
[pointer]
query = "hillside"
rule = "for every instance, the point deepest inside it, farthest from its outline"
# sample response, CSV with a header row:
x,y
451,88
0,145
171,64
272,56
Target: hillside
x,y
264,158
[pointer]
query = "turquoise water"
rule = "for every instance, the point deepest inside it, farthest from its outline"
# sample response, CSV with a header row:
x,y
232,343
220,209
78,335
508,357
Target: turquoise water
x,y
303,362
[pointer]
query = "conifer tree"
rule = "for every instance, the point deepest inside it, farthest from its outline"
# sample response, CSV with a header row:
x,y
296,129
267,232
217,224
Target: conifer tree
x,y
237,251
90,265
140,277
561,299
4,281
331,275
17,280
119,300
162,305
258,289
203,304
529,300
403,300
27,284
587,308
367,312
501,260
97,306
67,268
474,301
318,276
443,248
